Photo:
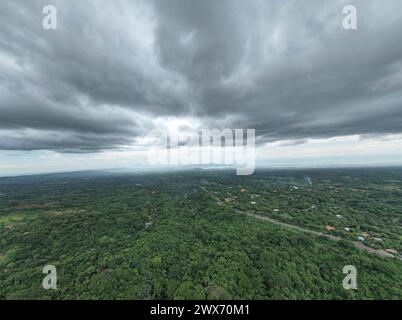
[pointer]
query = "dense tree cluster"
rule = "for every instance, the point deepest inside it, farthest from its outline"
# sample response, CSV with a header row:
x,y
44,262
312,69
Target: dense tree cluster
x,y
162,236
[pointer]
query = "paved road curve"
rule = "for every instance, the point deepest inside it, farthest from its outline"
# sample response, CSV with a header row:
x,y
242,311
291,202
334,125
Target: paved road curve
x,y
359,245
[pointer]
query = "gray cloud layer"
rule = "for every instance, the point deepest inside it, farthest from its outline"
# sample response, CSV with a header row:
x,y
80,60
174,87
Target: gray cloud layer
x,y
286,68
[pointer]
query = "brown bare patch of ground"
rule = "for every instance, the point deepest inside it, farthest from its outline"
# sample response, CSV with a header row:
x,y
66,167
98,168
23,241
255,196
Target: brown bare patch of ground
x,y
56,213
47,205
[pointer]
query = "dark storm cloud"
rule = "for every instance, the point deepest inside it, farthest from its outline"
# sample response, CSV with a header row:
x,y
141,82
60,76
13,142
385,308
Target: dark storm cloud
x,y
286,68
89,80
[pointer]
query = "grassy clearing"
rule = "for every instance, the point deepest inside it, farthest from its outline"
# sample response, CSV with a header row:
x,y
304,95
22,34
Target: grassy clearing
x,y
10,218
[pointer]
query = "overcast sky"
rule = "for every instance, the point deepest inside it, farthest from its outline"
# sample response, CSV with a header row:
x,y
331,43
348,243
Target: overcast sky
x,y
84,95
